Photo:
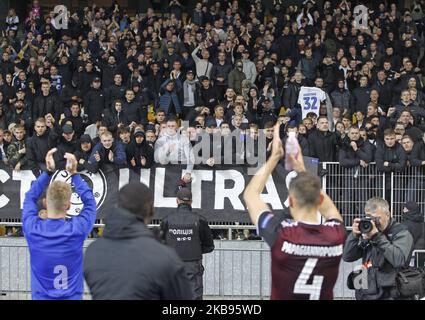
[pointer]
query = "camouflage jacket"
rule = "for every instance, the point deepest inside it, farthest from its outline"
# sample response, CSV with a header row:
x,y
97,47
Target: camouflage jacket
x,y
13,156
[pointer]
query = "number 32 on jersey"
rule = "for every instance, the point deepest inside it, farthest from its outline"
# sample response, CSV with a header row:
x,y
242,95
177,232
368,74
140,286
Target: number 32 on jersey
x,y
310,103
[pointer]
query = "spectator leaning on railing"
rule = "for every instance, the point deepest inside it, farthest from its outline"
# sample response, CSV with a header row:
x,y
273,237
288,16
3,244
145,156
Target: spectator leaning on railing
x,y
106,152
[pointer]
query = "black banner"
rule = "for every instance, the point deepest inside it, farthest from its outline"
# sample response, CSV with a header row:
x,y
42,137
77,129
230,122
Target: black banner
x,y
217,193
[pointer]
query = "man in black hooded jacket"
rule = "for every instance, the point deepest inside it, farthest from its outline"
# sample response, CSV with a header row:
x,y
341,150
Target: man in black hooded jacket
x,y
95,101
139,153
128,263
83,152
66,142
115,118
413,219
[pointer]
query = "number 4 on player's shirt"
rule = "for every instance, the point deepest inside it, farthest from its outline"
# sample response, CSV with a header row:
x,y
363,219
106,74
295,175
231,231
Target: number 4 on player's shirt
x,y
305,257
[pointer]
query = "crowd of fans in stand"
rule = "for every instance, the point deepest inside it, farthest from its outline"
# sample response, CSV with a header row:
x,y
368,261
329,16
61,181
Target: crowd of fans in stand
x,y
105,88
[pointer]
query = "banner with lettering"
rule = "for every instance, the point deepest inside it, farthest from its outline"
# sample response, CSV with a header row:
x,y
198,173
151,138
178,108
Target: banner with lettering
x,y
217,193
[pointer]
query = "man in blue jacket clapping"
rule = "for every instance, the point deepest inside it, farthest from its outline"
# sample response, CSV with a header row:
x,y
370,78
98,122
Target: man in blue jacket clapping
x,y
56,243
107,153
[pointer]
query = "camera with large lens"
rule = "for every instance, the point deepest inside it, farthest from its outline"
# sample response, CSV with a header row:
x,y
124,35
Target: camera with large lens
x,y
365,225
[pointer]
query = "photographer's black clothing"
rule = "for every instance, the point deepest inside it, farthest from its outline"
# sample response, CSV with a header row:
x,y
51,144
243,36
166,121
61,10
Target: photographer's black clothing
x,y
190,236
129,263
383,256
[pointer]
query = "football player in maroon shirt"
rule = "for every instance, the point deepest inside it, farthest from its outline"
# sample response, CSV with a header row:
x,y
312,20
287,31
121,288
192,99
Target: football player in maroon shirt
x,y
305,253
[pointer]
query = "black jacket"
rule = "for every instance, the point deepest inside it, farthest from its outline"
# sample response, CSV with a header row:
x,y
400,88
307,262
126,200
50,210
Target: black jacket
x,y
85,80
68,91
208,97
418,154
349,158
385,93
37,148
323,145
44,105
329,74
396,156
65,70
185,217
113,93
108,73
218,71
136,151
341,98
128,263
78,124
80,154
290,96
94,103
360,97
134,112
112,119
24,115
413,219
64,146
414,132
286,45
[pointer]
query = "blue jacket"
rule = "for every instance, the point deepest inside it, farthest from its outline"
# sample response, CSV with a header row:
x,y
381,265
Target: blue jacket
x,y
119,156
56,245
167,97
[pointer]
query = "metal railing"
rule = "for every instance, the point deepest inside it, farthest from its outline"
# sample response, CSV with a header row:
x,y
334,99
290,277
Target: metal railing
x,y
349,188
407,185
234,270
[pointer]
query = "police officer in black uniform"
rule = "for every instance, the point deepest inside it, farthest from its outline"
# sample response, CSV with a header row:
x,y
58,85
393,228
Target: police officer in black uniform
x,y
189,234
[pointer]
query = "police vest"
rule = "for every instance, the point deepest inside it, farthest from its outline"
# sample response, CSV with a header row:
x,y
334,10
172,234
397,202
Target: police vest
x,y
183,234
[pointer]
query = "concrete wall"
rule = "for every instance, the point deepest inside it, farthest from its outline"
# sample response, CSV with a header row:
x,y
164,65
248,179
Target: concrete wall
x,y
235,270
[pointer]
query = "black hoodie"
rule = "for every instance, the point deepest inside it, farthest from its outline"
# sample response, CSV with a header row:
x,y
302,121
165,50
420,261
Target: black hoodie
x,y
128,263
83,155
136,151
413,219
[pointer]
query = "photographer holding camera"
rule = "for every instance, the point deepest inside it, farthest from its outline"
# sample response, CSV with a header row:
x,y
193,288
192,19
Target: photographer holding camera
x,y
384,246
